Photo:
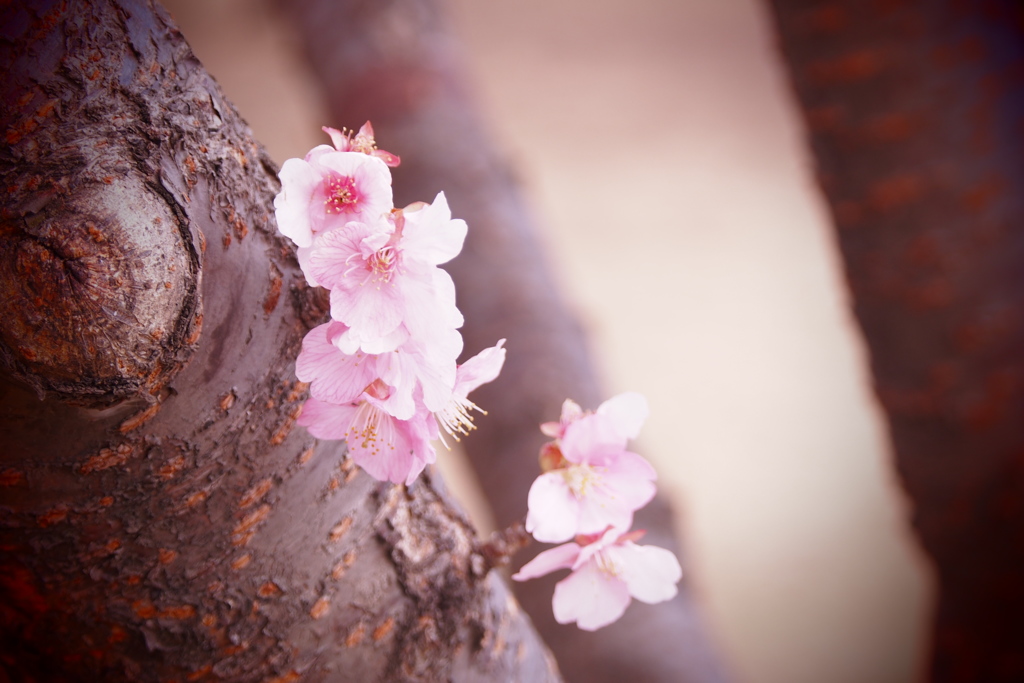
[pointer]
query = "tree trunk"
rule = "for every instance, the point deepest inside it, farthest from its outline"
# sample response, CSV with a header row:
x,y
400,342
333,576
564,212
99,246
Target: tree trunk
x,y
397,63
914,113
161,518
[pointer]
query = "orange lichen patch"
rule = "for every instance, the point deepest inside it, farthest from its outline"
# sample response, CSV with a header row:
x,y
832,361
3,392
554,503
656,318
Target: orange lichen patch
x,y
896,191
166,555
305,456
107,458
269,590
117,635
226,240
106,501
242,561
289,677
243,540
19,586
144,609
112,545
283,431
199,673
340,529
255,493
850,68
133,579
197,330
11,477
245,528
241,229
178,613
320,607
355,636
138,419
298,392
195,498
54,516
172,467
384,629
208,620
227,400
235,649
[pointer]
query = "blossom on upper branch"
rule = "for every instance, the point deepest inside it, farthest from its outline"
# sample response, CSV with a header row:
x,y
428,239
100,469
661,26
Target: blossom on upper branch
x,y
591,481
384,277
608,570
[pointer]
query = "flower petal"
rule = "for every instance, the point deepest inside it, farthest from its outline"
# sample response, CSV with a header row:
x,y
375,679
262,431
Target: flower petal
x,y
291,205
326,420
627,411
651,573
553,559
430,235
590,597
554,512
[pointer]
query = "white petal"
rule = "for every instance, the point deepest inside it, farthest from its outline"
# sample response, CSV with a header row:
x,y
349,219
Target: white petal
x,y
650,572
554,512
590,597
628,412
553,559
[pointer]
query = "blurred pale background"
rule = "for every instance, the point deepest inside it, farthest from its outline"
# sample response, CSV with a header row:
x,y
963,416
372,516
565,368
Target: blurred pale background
x,y
659,147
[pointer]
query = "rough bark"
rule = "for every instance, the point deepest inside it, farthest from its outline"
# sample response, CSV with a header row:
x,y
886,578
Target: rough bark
x,y
914,113
397,63
159,517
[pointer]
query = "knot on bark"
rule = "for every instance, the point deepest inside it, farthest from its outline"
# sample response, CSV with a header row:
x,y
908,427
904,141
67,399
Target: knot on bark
x,y
100,293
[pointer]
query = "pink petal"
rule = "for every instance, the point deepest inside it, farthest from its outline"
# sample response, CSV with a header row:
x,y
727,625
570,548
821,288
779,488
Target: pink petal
x,y
590,597
600,509
553,511
326,420
627,411
374,312
430,235
291,205
592,439
333,376
482,368
553,559
337,138
650,573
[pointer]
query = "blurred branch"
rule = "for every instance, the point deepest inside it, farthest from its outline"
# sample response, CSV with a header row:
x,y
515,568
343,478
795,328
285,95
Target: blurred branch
x,y
914,114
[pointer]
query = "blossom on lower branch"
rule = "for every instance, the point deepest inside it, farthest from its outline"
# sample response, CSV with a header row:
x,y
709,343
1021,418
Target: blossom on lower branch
x,y
590,481
608,571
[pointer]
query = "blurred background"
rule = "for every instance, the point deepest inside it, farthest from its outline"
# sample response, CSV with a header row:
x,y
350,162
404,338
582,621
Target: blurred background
x,y
661,152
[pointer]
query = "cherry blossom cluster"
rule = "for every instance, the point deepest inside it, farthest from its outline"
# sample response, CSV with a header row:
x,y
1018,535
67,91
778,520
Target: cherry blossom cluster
x,y
588,491
383,372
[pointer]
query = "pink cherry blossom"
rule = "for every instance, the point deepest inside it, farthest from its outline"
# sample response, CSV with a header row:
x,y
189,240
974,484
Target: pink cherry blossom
x,y
383,274
326,190
627,411
595,482
455,416
388,449
345,141
608,571
424,367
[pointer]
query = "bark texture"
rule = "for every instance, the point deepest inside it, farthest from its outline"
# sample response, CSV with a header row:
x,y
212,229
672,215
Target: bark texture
x,y
397,63
914,111
159,517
